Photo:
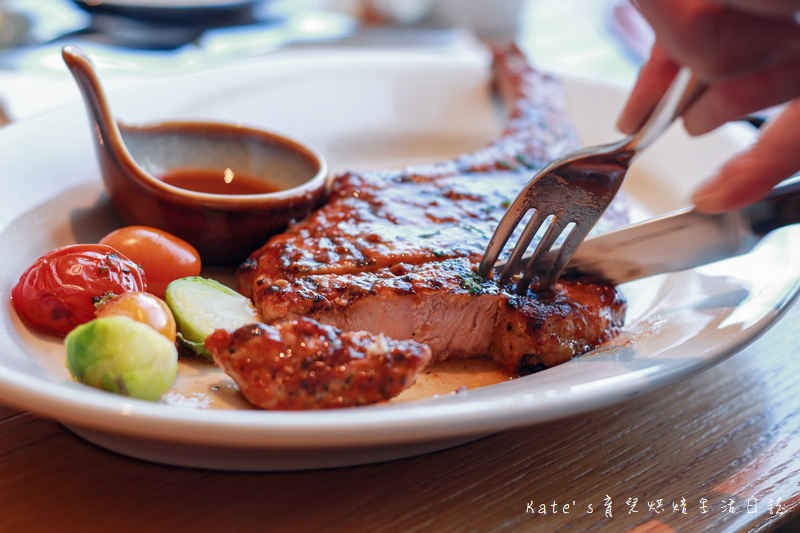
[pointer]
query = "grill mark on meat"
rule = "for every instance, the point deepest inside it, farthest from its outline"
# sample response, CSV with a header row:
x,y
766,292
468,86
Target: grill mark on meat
x,y
396,251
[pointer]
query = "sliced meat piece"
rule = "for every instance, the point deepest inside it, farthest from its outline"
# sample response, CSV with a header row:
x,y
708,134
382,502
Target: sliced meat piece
x,y
446,306
533,333
302,364
430,303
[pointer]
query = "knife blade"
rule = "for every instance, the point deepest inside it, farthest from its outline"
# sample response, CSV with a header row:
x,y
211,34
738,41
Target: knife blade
x,y
685,239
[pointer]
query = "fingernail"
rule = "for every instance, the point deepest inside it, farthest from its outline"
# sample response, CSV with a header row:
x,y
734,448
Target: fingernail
x,y
708,197
625,125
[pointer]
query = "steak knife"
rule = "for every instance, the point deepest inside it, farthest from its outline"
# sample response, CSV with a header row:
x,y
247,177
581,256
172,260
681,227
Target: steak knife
x,y
685,239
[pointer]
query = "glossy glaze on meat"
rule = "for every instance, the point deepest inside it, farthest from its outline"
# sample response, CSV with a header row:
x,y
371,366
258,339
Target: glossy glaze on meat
x,y
302,364
396,252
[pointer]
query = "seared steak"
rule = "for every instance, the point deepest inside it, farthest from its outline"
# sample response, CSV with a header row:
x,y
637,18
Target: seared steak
x,y
306,365
396,252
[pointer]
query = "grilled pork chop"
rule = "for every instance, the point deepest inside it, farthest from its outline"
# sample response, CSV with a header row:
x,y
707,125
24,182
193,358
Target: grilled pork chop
x,y
396,252
302,364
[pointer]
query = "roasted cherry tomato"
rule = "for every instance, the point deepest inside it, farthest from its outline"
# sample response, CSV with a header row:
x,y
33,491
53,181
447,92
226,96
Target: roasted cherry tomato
x,y
163,257
143,307
59,291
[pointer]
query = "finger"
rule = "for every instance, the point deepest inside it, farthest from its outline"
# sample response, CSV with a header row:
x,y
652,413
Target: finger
x,y
749,176
653,81
717,41
735,98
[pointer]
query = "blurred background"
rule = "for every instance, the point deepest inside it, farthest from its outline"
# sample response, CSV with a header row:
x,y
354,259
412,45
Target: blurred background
x,y
605,39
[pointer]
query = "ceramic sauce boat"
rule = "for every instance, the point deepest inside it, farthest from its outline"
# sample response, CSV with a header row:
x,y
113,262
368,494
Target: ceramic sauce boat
x,y
223,188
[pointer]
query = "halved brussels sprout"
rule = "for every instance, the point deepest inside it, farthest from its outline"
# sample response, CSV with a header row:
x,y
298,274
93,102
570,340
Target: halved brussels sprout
x,y
202,306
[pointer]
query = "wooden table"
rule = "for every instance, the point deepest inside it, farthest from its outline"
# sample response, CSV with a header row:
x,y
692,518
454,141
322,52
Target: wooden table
x,y
727,439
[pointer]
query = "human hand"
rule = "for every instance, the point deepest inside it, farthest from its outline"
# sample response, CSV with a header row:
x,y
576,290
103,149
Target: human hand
x,y
748,53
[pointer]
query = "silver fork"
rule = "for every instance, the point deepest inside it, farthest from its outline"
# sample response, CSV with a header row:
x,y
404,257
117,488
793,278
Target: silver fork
x,y
573,191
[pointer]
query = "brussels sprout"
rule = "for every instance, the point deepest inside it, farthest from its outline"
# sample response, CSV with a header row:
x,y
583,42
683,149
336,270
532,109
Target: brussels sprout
x,y
119,354
201,306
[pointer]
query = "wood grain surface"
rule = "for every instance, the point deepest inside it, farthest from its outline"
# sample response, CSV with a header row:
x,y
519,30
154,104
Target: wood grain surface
x,y
688,457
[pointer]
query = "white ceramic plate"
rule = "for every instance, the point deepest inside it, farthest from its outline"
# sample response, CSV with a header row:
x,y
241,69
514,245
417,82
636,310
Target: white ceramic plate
x,y
365,110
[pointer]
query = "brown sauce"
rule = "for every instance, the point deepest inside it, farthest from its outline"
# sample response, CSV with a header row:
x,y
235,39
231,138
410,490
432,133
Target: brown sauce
x,y
217,182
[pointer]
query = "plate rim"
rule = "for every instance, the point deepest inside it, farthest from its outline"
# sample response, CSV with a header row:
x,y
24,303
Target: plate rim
x,y
363,426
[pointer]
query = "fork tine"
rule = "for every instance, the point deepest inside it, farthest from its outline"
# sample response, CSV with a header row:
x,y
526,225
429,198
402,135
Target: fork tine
x,y
513,264
565,252
512,217
549,238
